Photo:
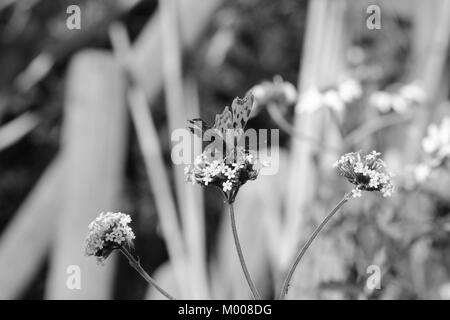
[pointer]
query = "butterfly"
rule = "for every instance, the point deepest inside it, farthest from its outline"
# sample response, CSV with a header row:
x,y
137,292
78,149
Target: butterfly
x,y
228,125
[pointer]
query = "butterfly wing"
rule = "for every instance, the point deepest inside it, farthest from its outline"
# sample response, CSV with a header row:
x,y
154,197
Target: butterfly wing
x,y
241,109
229,125
223,122
240,113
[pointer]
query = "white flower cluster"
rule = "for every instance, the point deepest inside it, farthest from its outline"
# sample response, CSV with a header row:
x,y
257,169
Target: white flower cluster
x,y
278,92
220,173
436,146
437,142
335,99
107,232
367,173
400,101
278,89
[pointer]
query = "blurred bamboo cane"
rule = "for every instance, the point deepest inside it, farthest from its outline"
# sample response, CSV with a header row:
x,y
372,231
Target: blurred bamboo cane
x,y
40,66
193,224
154,163
30,226
301,185
431,46
94,135
146,54
196,226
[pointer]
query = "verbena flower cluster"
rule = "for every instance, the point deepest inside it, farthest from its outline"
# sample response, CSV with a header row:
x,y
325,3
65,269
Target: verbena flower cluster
x,y
108,232
367,172
229,176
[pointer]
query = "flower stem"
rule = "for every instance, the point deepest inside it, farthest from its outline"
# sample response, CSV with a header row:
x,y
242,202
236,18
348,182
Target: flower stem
x,y
287,281
255,293
137,266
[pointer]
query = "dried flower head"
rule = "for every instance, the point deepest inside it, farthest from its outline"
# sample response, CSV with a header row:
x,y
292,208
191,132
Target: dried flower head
x,y
109,231
367,172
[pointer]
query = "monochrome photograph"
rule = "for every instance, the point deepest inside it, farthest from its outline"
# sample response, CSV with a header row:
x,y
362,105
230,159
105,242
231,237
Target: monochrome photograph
x,y
216,150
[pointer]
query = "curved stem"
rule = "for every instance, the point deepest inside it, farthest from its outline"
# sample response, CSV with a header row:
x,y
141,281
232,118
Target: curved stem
x,y
359,134
255,293
279,119
137,266
287,281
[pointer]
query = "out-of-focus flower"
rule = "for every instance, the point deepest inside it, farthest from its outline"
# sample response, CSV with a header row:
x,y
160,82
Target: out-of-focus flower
x,y
421,172
280,93
332,100
399,104
437,143
310,101
367,172
413,93
228,177
109,231
436,146
400,101
350,90
381,100
385,102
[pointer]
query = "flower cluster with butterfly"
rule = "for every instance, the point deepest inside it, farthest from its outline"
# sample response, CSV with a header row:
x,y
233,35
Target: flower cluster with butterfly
x,y
367,172
228,164
108,232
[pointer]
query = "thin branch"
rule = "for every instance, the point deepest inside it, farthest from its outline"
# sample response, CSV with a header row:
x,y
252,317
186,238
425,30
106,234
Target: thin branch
x,y
137,266
279,119
302,252
369,128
